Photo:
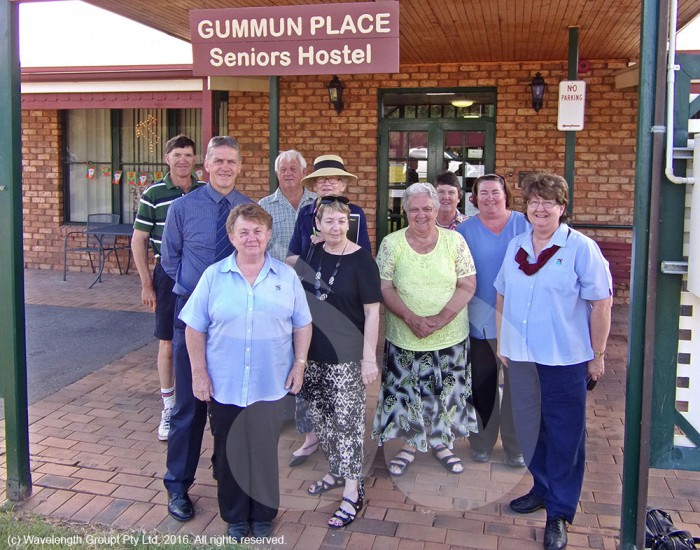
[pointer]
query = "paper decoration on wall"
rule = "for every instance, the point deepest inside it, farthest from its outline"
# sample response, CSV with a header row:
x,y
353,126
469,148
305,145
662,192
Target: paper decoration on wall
x,y
157,176
106,171
131,178
199,173
117,177
148,129
90,174
143,179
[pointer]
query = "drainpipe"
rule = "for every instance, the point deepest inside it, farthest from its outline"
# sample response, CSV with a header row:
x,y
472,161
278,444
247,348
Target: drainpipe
x,y
671,85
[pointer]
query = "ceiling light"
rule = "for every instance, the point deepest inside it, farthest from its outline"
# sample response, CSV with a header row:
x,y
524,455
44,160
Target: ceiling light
x,y
462,103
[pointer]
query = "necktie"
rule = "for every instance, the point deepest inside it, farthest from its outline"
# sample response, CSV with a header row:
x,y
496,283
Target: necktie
x,y
223,245
531,269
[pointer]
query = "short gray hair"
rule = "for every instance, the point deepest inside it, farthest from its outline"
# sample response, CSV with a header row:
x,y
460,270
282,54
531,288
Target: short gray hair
x,y
222,141
419,189
290,156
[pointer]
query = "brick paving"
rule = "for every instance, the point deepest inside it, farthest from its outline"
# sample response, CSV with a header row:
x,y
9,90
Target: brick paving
x,y
96,458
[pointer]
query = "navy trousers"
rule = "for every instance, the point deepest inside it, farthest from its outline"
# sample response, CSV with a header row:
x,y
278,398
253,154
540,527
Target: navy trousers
x,y
492,413
246,466
549,409
188,419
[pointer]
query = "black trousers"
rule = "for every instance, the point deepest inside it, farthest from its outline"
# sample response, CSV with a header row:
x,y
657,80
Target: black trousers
x,y
245,459
492,413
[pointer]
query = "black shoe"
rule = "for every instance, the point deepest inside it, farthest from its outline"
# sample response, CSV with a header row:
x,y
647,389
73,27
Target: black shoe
x,y
238,531
262,529
180,506
515,461
481,456
527,504
555,534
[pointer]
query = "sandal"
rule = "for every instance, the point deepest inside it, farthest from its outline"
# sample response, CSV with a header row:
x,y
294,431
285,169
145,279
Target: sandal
x,y
450,461
321,486
401,463
341,517
298,460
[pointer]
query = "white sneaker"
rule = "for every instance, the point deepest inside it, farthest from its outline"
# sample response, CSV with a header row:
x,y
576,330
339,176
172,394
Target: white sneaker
x,y
164,426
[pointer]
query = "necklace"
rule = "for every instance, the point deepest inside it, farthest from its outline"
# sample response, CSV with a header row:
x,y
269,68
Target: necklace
x,y
317,278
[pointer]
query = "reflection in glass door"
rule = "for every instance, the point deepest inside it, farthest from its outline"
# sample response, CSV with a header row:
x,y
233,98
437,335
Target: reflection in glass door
x,y
407,164
464,156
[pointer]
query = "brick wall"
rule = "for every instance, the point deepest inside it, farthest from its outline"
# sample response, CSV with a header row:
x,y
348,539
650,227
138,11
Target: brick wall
x,y
525,141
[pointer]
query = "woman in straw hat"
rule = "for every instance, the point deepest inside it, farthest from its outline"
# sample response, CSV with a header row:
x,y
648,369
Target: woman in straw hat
x,y
329,178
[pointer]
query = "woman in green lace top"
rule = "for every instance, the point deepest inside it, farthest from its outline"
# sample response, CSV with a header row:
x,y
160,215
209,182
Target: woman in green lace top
x,y
428,276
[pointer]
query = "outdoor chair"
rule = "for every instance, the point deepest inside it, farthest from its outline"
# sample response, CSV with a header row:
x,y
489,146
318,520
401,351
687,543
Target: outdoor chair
x,y
92,241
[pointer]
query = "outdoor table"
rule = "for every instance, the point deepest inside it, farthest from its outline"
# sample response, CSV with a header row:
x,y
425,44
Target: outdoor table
x,y
106,231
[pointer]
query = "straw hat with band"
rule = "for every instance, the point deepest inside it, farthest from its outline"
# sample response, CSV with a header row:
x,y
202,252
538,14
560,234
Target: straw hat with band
x,y
326,166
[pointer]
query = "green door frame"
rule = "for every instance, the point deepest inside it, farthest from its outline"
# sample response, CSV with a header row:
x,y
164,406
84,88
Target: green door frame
x,y
436,129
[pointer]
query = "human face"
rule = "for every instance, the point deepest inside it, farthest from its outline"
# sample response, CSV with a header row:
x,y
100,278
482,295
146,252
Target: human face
x,y
329,185
250,238
333,227
491,199
180,161
449,199
289,175
421,213
544,214
224,166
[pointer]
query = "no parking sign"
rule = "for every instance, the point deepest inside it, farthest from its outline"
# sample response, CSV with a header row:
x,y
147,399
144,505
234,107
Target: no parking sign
x,y
572,99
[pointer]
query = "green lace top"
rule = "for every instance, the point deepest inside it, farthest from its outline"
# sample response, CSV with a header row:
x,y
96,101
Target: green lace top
x,y
425,283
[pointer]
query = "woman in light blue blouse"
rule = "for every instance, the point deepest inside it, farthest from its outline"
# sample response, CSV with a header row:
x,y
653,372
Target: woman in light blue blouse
x,y
488,234
248,334
553,314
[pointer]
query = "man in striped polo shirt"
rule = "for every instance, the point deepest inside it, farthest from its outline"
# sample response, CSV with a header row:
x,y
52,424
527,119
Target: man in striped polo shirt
x,y
157,289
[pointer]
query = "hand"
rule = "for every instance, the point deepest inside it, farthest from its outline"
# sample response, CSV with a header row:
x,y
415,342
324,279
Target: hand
x,y
502,358
148,297
436,321
201,386
422,327
596,368
295,379
316,239
369,371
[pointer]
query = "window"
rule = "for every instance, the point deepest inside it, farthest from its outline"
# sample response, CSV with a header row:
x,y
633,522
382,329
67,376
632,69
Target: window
x,y
112,155
439,104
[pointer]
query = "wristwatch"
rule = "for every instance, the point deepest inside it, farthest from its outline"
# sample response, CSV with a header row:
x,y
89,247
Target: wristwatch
x,y
597,354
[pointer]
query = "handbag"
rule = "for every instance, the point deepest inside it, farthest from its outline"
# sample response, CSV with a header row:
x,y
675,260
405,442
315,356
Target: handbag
x,y
661,534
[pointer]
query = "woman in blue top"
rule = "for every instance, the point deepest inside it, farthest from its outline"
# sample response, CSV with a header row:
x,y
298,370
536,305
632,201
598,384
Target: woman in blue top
x,y
553,313
488,234
248,334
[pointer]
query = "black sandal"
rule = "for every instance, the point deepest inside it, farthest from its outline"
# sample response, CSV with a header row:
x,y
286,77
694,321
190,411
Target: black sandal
x,y
344,517
450,461
321,486
400,463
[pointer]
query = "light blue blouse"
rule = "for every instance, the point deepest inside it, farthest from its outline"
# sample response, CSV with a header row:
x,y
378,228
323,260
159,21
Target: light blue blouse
x,y
546,315
249,328
487,250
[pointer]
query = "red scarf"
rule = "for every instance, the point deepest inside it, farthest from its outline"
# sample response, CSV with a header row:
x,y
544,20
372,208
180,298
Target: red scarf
x,y
531,269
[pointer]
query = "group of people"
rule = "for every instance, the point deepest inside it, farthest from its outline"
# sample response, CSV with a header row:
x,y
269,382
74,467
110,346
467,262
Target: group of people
x,y
284,297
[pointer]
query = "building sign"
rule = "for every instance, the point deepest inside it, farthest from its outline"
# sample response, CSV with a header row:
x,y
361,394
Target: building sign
x,y
316,39
572,99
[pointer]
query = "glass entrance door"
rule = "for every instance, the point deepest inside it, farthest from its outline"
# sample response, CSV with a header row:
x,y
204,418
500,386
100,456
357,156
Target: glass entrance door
x,y
418,152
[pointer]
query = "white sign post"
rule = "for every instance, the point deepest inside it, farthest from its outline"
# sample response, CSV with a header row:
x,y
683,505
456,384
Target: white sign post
x,y
572,99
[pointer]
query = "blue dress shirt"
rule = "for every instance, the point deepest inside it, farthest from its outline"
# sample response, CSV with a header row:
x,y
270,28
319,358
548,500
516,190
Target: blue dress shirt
x,y
189,237
249,328
487,250
546,316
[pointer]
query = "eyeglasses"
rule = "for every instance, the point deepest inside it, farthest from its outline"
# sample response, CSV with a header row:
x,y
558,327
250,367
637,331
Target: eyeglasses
x,y
332,181
330,199
547,205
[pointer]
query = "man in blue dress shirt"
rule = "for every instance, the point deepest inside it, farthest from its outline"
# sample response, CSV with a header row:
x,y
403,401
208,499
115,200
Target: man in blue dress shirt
x,y
194,238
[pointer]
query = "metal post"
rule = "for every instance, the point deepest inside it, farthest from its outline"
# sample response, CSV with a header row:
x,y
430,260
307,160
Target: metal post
x,y
570,143
648,170
274,128
13,365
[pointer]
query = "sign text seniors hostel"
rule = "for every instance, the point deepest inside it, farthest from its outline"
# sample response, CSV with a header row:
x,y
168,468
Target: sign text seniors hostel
x,y
348,38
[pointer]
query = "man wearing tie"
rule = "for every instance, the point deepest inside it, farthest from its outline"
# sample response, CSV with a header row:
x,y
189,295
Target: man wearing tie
x,y
194,238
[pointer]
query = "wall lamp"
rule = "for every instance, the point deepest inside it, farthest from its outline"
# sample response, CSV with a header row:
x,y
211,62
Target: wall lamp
x,y
538,87
335,93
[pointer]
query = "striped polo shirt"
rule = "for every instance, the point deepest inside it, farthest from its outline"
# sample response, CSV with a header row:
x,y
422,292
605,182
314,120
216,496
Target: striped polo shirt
x,y
153,207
